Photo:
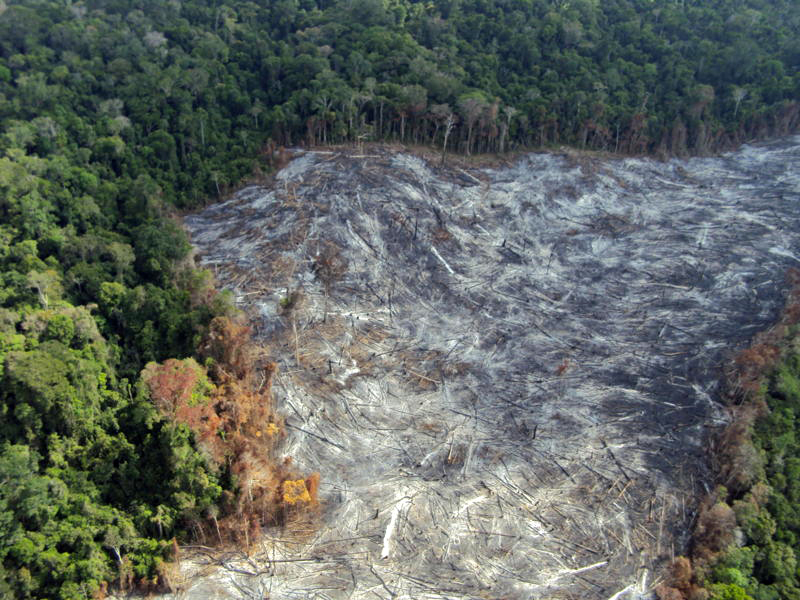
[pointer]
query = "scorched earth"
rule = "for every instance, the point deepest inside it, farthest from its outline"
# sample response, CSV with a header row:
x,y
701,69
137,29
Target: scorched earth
x,y
505,376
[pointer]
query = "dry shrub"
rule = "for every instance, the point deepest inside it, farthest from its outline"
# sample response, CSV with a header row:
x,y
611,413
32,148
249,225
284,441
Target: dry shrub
x,y
440,234
235,424
679,582
681,573
169,576
312,484
752,364
228,343
713,532
737,462
275,155
149,587
252,431
283,158
665,592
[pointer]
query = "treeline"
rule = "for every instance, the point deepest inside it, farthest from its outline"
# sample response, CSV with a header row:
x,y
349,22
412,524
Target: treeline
x,y
191,91
669,77
133,407
746,539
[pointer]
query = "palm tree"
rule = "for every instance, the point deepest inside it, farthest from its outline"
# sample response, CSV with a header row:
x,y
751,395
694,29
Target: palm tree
x,y
162,519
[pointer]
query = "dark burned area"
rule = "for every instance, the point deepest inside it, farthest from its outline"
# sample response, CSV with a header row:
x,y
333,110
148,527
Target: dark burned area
x,y
507,376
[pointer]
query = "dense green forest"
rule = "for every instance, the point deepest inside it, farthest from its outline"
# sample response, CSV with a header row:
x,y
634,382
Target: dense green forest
x,y
126,399
188,92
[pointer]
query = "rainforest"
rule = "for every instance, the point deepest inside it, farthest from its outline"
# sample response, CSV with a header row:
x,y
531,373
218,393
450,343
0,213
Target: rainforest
x,y
138,417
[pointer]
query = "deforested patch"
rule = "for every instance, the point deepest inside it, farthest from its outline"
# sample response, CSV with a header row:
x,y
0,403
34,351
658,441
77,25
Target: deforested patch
x,y
504,376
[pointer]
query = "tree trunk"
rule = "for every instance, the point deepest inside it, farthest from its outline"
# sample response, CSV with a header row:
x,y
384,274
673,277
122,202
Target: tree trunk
x,y
448,128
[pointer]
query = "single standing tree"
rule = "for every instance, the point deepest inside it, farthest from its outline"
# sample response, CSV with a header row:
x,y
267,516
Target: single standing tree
x,y
505,125
448,127
739,94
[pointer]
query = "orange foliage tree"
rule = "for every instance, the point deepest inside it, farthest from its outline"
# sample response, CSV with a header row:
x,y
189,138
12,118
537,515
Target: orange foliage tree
x,y
229,408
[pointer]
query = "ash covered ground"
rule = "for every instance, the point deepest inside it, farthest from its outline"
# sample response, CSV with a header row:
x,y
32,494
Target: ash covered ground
x,y
505,376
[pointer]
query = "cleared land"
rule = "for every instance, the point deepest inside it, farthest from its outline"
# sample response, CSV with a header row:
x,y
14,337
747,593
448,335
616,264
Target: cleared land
x,y
505,375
